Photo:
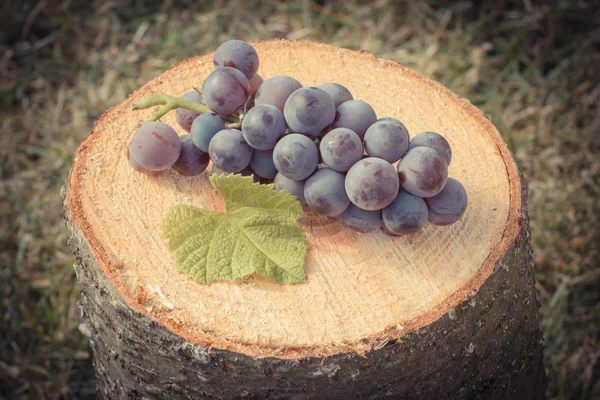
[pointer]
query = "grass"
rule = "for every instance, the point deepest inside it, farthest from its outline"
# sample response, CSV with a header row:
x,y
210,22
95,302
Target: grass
x,y
532,67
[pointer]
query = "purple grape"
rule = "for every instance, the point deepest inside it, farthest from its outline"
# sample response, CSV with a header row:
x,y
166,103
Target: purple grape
x,y
295,188
341,149
423,172
229,151
204,127
339,94
263,126
325,194
185,117
296,156
262,164
372,183
245,172
355,115
449,205
309,111
155,146
135,165
434,141
405,215
225,90
239,55
192,161
360,220
387,139
255,83
276,90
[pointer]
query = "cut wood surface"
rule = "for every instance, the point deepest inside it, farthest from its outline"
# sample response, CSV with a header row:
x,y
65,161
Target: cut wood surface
x,y
363,291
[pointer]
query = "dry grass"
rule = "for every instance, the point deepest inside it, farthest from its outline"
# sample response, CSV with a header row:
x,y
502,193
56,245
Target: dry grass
x,y
531,66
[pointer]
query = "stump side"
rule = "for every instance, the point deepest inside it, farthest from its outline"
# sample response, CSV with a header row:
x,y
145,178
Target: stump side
x,y
362,290
488,347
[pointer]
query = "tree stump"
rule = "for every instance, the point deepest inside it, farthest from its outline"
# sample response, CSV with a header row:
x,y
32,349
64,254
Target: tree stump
x,y
450,312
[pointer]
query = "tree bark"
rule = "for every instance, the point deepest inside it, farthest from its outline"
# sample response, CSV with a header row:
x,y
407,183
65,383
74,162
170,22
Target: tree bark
x,y
489,347
483,343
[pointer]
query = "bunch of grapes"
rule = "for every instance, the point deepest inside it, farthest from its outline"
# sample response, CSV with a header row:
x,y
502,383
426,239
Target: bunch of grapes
x,y
319,144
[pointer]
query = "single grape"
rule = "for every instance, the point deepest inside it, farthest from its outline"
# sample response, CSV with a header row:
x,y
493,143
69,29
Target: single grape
x,y
325,194
296,156
449,205
295,188
339,94
387,139
355,115
263,126
255,83
239,55
225,90
372,183
204,127
423,172
341,149
229,151
308,111
405,215
276,90
155,146
245,172
192,161
262,164
434,141
185,117
361,220
135,165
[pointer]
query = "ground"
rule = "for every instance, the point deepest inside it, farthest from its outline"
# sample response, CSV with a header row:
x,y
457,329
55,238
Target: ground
x,y
531,66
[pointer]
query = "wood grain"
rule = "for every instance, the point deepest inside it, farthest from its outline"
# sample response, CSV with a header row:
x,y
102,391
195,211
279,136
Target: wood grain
x,y
361,290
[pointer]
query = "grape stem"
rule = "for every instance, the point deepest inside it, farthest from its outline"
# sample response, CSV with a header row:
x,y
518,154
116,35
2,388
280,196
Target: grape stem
x,y
233,125
171,103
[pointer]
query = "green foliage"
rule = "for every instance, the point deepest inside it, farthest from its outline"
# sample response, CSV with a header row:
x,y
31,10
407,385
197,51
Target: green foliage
x,y
258,233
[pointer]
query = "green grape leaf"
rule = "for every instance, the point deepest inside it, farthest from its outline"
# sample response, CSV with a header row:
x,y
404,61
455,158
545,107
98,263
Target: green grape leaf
x,y
258,233
241,192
